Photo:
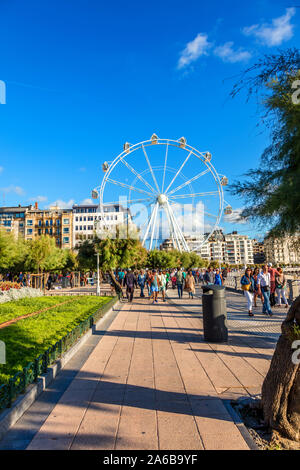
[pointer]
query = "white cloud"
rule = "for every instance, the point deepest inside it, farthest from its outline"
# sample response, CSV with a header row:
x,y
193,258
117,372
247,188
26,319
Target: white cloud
x,y
38,199
88,202
276,33
193,50
228,54
235,217
13,189
62,204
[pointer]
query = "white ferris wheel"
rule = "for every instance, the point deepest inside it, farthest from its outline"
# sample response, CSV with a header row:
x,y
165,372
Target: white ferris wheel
x,y
172,191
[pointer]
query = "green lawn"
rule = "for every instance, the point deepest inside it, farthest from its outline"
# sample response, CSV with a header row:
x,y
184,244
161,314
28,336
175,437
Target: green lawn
x,y
28,338
18,308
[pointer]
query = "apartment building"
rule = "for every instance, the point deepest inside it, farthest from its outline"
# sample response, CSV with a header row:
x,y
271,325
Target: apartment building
x,y
230,248
282,250
12,219
239,249
30,222
88,219
258,252
54,222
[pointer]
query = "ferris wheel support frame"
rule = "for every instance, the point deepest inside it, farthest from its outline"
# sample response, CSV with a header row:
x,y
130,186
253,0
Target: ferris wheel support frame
x,y
174,227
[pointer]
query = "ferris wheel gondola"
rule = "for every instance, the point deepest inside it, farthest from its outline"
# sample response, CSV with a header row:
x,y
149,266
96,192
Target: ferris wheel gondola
x,y
158,187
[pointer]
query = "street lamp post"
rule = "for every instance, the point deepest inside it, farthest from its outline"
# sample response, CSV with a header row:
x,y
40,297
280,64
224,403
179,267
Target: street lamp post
x,y
98,275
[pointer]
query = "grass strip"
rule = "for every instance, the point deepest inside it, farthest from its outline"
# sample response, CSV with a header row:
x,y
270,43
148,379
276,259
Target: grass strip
x,y
19,308
30,337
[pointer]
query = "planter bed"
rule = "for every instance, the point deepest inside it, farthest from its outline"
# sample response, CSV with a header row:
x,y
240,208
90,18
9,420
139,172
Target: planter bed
x,y
56,329
18,308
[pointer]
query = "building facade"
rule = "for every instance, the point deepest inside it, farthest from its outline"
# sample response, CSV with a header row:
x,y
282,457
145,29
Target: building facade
x,y
230,248
282,250
12,220
87,220
30,222
54,222
258,252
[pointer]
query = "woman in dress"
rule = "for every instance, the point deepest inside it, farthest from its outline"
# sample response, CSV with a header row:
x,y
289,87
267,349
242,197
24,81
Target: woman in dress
x,y
190,284
218,278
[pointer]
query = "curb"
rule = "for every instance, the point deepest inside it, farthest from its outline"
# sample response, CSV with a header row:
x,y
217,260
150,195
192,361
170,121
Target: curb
x,y
240,425
11,415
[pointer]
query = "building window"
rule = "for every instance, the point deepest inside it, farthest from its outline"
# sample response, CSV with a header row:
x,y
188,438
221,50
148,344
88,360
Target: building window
x,y
66,240
66,221
66,230
29,222
29,231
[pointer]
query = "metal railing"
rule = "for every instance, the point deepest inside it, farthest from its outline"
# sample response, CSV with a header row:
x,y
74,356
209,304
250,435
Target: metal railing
x,y
292,289
30,373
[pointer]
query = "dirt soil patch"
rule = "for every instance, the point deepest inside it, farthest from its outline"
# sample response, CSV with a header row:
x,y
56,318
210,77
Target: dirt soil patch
x,y
250,411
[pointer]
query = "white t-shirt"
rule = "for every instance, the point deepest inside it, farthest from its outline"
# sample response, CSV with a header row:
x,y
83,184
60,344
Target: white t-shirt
x,y
264,279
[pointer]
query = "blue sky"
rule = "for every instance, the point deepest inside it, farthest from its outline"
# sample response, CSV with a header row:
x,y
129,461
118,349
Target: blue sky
x,y
83,77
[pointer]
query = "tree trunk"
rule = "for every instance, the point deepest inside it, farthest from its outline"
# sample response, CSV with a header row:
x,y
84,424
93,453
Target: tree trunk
x,y
281,387
116,284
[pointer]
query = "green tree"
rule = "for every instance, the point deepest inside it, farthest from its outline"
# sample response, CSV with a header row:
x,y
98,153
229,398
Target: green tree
x,y
86,256
114,253
12,252
271,191
44,255
272,197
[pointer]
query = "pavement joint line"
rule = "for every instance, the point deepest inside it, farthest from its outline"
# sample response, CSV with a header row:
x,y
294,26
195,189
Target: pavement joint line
x,y
155,388
100,377
230,370
126,382
198,359
187,394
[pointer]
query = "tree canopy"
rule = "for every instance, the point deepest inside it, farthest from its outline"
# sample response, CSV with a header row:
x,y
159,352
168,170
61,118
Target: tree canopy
x,y
271,191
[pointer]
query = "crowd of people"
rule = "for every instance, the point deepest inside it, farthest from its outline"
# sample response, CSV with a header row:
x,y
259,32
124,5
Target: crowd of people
x,y
264,283
156,282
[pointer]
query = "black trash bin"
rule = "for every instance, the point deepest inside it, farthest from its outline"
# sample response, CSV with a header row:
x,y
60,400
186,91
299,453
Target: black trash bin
x,y
214,314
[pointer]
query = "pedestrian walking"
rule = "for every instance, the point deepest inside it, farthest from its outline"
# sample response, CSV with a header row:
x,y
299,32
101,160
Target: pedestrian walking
x,y
154,285
273,272
162,284
218,278
280,283
190,284
247,283
141,280
256,290
209,276
130,282
179,282
264,283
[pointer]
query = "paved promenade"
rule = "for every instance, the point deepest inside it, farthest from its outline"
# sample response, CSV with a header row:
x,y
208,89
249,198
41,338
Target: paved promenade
x,y
153,383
